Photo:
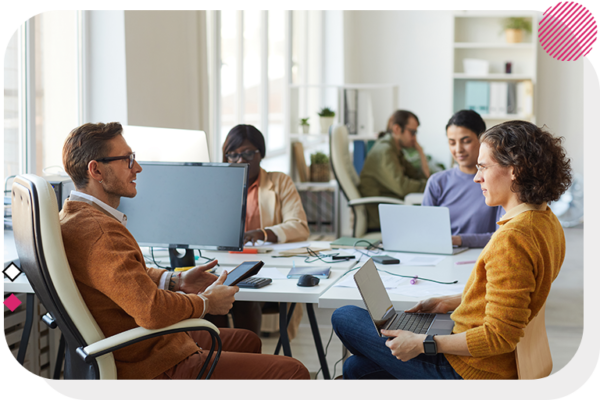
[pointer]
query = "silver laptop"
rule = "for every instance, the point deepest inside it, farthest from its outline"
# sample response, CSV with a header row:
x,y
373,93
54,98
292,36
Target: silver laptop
x,y
382,311
417,229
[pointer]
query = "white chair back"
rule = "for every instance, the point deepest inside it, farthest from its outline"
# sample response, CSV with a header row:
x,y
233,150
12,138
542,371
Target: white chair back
x,y
41,252
345,174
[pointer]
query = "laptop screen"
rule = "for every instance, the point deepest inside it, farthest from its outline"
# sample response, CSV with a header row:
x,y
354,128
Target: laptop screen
x,y
374,294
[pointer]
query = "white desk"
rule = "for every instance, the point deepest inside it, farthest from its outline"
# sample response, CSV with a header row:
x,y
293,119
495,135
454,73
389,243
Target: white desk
x,y
445,271
282,291
227,259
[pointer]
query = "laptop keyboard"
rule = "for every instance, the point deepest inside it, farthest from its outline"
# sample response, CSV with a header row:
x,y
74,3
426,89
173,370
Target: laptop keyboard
x,y
413,322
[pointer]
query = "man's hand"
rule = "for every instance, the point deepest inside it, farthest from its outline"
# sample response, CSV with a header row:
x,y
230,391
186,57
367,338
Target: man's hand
x,y
220,298
437,305
196,280
405,345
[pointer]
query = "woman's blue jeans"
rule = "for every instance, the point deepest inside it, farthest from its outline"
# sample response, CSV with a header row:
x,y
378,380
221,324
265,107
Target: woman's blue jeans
x,y
372,359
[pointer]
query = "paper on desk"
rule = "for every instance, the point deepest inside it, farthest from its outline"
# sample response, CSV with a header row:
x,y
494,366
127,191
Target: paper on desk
x,y
287,246
265,272
416,259
389,281
427,289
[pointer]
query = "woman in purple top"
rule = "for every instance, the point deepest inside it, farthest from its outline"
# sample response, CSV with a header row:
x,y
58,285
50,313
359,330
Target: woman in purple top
x,y
472,221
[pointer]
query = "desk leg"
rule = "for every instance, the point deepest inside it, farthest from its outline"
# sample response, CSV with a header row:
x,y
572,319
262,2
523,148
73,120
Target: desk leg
x,y
27,328
284,319
289,318
317,337
59,357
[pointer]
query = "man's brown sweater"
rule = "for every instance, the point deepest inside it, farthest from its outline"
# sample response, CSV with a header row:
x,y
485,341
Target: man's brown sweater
x,y
122,293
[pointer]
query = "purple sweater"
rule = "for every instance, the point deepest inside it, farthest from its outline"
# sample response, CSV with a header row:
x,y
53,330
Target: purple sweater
x,y
470,217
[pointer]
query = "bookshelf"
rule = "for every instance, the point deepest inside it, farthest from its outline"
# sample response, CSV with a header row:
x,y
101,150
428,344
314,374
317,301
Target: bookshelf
x,y
306,100
325,208
479,35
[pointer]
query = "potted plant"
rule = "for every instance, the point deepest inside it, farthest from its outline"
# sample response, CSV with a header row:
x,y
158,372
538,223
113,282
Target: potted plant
x,y
326,118
514,27
304,124
319,167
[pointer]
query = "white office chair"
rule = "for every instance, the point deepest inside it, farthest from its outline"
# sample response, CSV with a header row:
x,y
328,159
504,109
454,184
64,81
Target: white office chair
x,y
42,255
348,179
534,360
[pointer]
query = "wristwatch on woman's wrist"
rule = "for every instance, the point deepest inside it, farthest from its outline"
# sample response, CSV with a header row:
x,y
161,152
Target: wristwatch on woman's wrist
x,y
429,346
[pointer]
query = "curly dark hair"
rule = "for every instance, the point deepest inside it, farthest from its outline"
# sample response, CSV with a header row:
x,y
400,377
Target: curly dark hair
x,y
541,166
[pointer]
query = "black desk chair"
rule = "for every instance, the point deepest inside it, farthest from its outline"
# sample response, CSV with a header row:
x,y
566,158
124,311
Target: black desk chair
x,y
41,251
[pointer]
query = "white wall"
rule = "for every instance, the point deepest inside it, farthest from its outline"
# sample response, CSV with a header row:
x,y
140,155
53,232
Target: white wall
x,y
165,64
147,68
105,81
560,103
414,49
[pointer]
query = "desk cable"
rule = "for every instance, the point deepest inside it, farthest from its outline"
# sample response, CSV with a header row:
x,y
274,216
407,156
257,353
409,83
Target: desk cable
x,y
326,349
164,267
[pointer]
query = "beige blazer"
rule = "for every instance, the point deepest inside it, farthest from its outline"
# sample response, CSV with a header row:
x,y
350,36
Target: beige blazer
x,y
281,208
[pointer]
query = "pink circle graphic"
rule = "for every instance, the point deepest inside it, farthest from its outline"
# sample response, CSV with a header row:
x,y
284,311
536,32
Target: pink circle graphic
x,y
567,31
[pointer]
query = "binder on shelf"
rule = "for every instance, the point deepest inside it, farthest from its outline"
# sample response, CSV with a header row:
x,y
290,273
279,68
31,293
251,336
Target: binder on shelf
x,y
364,114
525,98
351,110
477,96
511,101
300,161
498,98
360,154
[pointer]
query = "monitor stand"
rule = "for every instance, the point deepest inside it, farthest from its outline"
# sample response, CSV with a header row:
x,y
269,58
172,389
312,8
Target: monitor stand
x,y
179,261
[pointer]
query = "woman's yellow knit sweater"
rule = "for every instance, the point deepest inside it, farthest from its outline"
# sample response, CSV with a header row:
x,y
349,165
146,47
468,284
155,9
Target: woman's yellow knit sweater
x,y
509,284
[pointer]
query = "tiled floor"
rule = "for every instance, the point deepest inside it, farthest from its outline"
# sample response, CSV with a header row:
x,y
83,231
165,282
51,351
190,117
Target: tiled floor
x,y
564,317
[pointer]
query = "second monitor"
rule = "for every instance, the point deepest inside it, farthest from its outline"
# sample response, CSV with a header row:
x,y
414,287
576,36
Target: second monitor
x,y
188,206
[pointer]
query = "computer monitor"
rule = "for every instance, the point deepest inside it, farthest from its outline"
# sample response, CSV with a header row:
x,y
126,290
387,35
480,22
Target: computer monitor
x,y
166,144
188,206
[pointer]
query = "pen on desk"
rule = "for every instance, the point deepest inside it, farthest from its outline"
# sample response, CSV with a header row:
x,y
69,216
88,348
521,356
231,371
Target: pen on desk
x,y
413,281
180,269
465,262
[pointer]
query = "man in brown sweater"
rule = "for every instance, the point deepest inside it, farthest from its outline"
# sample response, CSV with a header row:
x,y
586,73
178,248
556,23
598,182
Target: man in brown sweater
x,y
122,293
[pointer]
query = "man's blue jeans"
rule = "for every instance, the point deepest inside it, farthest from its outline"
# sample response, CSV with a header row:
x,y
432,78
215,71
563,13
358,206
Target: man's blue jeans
x,y
372,359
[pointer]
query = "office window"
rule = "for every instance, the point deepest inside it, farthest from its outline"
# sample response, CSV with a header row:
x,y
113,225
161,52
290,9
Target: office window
x,y
11,108
40,96
276,74
252,83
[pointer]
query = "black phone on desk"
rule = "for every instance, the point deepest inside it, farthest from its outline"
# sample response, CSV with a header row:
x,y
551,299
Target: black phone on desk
x,y
385,260
243,271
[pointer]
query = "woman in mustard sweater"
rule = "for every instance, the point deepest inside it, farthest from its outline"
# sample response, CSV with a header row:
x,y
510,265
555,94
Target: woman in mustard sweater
x,y
521,168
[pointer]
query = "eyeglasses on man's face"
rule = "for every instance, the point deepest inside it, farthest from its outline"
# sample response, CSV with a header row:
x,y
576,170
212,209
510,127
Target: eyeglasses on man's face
x,y
131,158
482,168
247,155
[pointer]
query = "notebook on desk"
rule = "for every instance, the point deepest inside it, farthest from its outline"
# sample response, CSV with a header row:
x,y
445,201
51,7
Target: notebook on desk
x,y
319,272
417,229
382,311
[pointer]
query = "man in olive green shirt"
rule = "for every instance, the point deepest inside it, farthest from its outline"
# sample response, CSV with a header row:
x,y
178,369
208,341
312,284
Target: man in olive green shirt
x,y
386,171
